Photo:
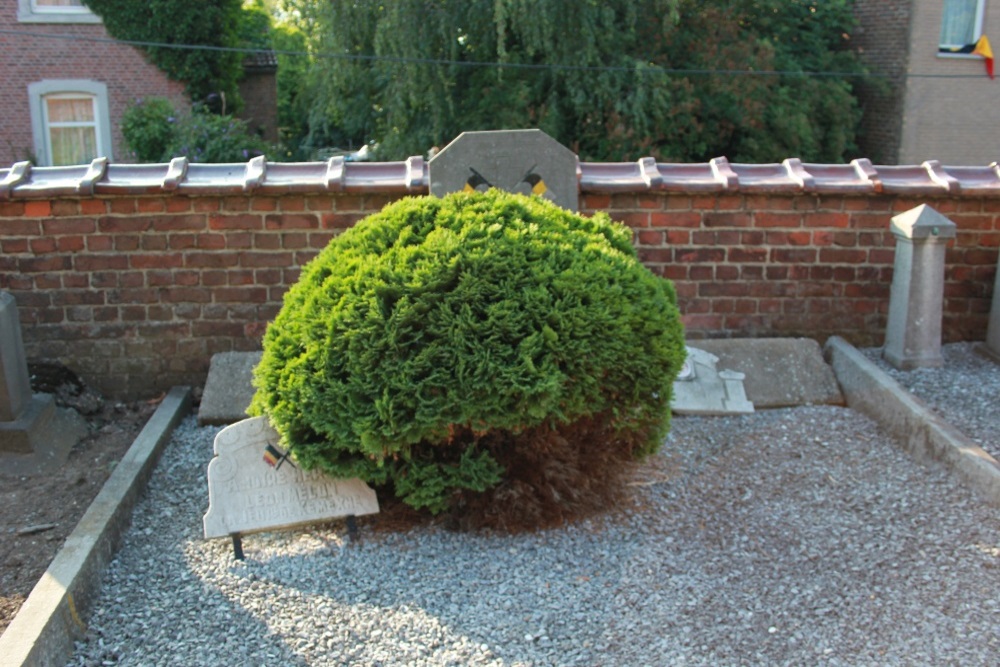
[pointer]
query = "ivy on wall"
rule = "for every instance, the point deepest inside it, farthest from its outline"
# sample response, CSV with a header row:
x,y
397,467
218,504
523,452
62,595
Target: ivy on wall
x,y
210,75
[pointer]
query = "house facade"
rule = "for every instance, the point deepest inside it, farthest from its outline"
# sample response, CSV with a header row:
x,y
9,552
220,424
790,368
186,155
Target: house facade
x,y
66,84
934,100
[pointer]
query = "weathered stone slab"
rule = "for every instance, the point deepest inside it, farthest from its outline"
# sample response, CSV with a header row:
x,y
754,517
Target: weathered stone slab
x,y
229,388
246,494
780,372
701,389
522,161
991,346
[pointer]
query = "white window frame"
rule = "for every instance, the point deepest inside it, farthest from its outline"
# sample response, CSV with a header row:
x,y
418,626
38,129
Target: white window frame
x,y
40,90
976,32
29,11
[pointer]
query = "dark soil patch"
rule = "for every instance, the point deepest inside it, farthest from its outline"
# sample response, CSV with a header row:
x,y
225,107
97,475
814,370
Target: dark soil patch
x,y
37,513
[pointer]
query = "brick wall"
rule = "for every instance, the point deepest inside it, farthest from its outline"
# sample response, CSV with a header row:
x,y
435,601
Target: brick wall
x,y
137,293
882,39
27,58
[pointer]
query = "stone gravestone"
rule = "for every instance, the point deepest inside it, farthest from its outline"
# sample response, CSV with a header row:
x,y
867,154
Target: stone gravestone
x,y
913,330
35,435
248,494
700,389
522,161
991,346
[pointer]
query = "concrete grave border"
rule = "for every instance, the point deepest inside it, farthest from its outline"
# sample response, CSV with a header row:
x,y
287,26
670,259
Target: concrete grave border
x,y
43,631
915,427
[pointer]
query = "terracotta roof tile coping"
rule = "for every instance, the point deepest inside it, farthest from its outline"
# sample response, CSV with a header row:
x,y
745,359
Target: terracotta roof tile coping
x,y
411,176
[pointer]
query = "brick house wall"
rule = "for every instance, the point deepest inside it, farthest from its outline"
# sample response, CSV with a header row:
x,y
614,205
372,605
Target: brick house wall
x,y
882,40
136,293
28,57
930,106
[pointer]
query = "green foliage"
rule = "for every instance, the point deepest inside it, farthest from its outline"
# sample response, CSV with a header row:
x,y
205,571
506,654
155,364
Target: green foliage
x,y
679,91
441,343
155,132
216,23
149,129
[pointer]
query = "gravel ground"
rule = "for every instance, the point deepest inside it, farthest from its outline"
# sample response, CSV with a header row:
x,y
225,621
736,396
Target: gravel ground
x,y
788,537
965,391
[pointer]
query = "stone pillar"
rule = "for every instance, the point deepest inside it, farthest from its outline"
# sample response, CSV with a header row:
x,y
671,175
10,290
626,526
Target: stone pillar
x,y
35,435
913,332
991,348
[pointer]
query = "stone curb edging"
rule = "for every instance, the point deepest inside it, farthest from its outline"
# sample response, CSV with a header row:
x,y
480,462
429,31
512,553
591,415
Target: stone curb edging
x,y
918,429
43,631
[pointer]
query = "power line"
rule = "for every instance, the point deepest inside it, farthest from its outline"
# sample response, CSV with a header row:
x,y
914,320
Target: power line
x,y
479,63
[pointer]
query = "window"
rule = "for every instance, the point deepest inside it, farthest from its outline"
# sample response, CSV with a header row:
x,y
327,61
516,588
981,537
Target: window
x,y
961,25
69,121
54,11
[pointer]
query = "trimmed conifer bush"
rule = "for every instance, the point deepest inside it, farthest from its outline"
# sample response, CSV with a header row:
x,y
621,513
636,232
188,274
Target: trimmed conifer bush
x,y
490,355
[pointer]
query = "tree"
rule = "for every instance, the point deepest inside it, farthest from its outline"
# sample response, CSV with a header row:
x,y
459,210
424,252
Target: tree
x,y
680,80
205,72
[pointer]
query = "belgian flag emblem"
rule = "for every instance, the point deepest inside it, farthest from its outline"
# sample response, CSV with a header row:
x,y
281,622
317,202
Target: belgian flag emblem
x,y
274,457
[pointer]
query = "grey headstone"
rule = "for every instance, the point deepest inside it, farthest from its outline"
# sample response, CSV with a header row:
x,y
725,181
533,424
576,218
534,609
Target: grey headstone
x,y
229,388
246,494
992,345
35,436
780,372
15,385
522,161
701,389
913,330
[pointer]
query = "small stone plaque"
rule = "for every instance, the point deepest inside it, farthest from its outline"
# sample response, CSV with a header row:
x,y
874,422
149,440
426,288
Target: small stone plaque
x,y
246,494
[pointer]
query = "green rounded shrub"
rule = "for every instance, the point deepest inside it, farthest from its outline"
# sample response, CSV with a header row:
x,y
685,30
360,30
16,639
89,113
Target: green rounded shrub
x,y
488,354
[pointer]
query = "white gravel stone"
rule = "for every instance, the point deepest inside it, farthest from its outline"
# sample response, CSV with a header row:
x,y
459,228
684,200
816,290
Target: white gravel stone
x,y
787,537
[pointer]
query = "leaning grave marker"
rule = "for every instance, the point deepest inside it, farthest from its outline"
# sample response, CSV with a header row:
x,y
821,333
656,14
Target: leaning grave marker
x,y
520,161
248,494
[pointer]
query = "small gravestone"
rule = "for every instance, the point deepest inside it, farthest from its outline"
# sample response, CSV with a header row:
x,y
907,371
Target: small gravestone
x,y
522,161
35,436
700,389
916,296
229,387
251,488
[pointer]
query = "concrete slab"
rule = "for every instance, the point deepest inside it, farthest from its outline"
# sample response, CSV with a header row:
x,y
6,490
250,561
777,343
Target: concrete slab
x,y
54,614
780,372
228,389
915,427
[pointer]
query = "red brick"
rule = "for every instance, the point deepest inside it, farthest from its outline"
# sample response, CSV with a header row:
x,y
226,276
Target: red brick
x,y
655,255
70,243
787,220
286,221
678,237
650,238
93,207
99,262
178,205
242,221
20,227
170,223
156,261
797,256
43,245
123,206
349,203
264,204
125,224
100,243
700,255
196,260
689,220
11,246
726,219
742,255
38,209
236,204
44,264
150,205
293,203
842,255
205,204
211,241
339,221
